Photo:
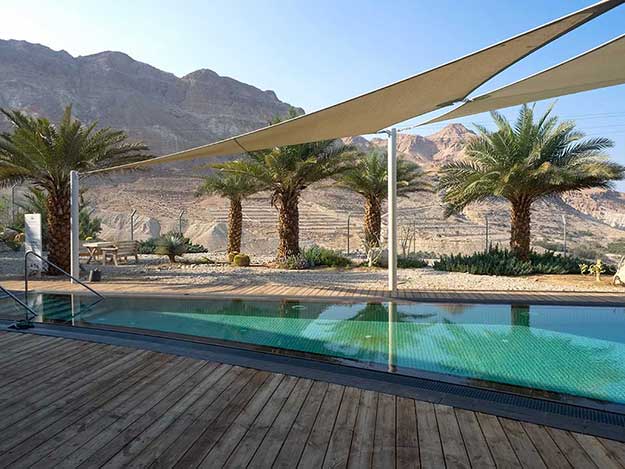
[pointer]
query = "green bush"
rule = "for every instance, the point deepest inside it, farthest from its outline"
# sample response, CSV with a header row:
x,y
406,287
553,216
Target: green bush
x,y
149,245
230,256
411,261
297,262
241,260
316,256
503,262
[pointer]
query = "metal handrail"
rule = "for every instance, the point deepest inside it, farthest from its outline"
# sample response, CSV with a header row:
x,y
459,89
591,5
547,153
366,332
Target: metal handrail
x,y
21,303
56,267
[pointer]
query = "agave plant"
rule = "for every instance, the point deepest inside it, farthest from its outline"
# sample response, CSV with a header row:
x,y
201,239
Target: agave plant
x,y
171,245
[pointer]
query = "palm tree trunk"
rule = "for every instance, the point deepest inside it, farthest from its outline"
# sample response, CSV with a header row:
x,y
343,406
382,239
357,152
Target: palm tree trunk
x,y
288,225
373,221
520,228
58,203
235,225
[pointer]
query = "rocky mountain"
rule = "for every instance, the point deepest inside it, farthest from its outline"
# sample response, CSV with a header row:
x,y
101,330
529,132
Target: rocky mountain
x,y
171,113
167,112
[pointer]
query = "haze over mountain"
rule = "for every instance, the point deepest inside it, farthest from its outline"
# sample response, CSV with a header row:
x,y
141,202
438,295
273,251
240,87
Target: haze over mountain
x,y
171,114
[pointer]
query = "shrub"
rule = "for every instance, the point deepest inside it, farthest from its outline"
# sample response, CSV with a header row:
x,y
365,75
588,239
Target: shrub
x,y
296,262
231,256
171,246
410,261
316,255
502,262
241,260
617,247
149,245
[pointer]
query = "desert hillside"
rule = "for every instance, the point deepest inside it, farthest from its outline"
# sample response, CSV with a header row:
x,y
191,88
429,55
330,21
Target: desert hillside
x,y
173,113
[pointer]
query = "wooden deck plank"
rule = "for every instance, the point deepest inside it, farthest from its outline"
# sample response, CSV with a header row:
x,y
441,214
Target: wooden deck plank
x,y
30,420
361,451
277,434
341,438
319,438
195,384
549,451
615,449
245,449
525,451
211,434
596,451
453,446
407,444
293,444
129,402
430,447
223,447
570,448
475,443
210,389
384,441
229,387
500,447
57,421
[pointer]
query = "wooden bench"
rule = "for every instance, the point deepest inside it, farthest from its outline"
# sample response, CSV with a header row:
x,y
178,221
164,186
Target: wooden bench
x,y
121,250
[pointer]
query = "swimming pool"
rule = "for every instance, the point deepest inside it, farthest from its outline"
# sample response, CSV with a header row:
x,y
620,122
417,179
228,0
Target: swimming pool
x,y
578,351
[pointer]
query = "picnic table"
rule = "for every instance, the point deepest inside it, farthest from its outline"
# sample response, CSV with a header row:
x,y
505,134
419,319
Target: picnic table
x,y
95,249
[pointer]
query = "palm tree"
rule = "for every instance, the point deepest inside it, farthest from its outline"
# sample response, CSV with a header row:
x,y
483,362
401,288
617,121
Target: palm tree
x,y
368,177
235,188
526,162
286,171
43,154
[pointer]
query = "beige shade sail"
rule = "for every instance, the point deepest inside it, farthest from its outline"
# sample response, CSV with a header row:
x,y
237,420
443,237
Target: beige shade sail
x,y
412,97
598,68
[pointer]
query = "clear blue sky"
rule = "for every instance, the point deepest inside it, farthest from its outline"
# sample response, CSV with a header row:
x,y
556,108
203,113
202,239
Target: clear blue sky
x,y
315,53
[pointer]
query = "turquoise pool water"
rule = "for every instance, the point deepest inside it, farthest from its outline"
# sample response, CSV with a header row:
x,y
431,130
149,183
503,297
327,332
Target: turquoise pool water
x,y
573,350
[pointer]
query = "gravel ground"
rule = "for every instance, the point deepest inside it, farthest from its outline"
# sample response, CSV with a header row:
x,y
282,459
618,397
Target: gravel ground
x,y
156,269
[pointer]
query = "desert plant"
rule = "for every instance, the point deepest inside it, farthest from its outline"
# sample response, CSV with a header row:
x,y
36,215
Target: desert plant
x,y
295,262
410,262
373,249
171,245
525,162
234,187
503,262
318,256
44,154
148,246
368,177
595,269
286,172
241,260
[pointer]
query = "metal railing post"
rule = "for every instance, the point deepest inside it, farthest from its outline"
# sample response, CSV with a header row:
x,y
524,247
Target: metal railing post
x,y
76,280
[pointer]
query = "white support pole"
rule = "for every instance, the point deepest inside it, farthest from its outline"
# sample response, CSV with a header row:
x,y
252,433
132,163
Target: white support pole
x,y
392,211
75,221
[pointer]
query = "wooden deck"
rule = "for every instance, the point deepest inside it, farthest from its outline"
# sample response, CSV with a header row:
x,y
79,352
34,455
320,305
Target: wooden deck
x,y
266,290
69,403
